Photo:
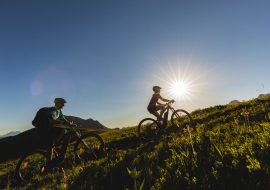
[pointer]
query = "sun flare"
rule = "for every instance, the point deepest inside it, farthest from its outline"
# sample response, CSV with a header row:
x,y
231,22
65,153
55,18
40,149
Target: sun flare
x,y
179,89
181,85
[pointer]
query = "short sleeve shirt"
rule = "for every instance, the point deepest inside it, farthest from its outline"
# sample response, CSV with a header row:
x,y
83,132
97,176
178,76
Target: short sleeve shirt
x,y
154,100
56,115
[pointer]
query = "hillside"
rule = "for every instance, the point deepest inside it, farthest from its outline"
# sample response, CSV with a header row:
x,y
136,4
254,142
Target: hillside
x,y
229,150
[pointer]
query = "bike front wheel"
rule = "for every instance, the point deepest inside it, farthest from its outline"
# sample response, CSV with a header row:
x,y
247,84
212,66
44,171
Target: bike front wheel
x,y
31,165
180,119
89,147
147,129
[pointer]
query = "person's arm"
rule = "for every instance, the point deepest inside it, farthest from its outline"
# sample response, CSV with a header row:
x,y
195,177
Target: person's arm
x,y
53,120
65,121
62,118
163,99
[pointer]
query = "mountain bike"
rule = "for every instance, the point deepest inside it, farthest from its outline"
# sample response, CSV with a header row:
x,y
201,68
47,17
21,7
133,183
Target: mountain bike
x,y
32,164
148,128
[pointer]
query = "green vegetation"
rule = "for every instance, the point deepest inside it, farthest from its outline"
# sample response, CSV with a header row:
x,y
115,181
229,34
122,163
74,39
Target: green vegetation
x,y
231,151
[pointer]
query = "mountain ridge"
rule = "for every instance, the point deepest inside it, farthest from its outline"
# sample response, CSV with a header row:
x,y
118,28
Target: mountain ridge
x,y
12,133
85,123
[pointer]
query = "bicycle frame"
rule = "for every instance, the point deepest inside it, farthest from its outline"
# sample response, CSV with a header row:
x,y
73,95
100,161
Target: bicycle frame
x,y
167,111
71,130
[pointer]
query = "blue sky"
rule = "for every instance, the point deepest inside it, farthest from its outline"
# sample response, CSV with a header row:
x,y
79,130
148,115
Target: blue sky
x,y
103,57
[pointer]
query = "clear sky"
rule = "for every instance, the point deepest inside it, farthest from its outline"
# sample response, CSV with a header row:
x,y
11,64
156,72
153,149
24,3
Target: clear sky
x,y
105,56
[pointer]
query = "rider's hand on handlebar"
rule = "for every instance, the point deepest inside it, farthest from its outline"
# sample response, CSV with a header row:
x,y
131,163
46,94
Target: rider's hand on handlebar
x,y
72,125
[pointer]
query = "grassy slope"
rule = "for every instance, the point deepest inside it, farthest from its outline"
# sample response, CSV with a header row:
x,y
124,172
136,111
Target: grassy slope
x,y
231,152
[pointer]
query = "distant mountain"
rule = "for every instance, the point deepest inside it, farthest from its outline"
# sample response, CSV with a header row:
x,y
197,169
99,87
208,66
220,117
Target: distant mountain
x,y
233,102
82,123
10,134
263,95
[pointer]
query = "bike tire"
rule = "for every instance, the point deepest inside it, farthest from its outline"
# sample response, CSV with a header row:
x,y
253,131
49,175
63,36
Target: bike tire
x,y
94,151
147,129
181,118
30,165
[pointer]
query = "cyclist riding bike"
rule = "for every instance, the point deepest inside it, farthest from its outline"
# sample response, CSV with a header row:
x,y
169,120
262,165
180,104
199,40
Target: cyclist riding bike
x,y
153,108
44,121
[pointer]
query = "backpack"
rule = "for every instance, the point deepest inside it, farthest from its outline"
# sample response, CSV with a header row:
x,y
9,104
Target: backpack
x,y
41,119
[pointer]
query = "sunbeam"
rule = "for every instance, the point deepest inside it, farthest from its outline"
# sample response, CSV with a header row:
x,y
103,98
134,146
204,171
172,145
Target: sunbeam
x,y
182,85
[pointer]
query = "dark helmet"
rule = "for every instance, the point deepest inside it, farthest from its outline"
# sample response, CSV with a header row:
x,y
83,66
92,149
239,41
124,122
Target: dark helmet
x,y
61,100
156,88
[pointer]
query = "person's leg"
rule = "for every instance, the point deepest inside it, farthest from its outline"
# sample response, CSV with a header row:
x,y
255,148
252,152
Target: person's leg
x,y
161,108
46,140
156,114
60,132
65,143
49,153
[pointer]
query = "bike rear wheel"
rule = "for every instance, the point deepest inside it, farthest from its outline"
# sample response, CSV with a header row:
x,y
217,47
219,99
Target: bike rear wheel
x,y
89,147
31,165
147,129
180,119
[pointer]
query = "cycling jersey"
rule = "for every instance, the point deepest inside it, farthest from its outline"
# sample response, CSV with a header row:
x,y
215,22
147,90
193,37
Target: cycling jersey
x,y
154,100
56,114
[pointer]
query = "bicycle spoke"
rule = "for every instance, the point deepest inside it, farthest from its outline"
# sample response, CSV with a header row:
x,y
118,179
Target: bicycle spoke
x,y
90,147
31,165
180,119
147,129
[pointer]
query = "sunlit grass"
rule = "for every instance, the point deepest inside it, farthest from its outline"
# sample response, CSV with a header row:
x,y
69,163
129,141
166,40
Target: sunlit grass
x,y
227,148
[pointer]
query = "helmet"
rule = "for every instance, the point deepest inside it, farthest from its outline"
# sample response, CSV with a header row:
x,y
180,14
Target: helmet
x,y
155,88
60,100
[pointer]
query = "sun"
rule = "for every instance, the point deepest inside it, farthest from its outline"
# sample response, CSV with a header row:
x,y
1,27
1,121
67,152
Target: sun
x,y
180,84
179,89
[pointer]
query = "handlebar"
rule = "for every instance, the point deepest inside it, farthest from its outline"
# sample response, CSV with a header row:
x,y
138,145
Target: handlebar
x,y
171,101
72,125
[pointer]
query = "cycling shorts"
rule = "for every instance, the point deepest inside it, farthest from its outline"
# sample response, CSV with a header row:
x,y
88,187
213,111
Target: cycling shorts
x,y
152,109
49,135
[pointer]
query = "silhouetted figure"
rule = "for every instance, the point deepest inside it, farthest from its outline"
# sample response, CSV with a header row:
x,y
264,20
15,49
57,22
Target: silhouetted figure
x,y
44,121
